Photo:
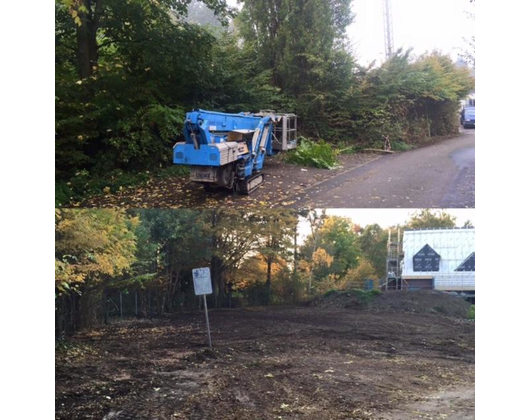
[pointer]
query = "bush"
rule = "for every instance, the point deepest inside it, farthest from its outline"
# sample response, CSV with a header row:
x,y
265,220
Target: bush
x,y
365,297
471,313
332,292
257,294
399,146
287,288
362,297
63,194
317,154
355,277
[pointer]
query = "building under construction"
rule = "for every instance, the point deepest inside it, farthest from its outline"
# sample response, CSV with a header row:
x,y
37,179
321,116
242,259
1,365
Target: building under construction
x,y
439,259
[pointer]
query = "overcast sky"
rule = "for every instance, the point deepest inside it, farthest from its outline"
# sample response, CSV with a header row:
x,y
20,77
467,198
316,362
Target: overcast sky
x,y
386,217
423,25
390,217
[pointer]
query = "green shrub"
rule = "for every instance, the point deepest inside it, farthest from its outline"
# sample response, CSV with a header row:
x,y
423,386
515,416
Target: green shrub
x,y
331,292
63,193
364,297
345,148
257,294
311,153
399,146
471,313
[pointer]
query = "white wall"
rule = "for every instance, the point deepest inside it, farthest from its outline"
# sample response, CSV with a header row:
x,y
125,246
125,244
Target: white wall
x,y
453,245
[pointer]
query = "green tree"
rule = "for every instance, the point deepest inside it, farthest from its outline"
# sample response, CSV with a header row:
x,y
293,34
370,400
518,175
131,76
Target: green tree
x,y
232,235
431,219
125,74
316,221
100,23
410,101
170,245
354,278
338,239
302,44
373,246
275,239
468,224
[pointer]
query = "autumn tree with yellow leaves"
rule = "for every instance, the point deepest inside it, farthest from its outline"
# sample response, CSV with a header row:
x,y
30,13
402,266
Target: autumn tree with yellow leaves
x,y
92,248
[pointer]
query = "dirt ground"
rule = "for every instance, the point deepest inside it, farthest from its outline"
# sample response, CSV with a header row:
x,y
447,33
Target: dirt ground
x,y
275,363
419,301
284,186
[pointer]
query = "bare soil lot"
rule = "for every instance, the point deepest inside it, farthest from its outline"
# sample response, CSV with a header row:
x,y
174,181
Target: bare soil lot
x,y
274,363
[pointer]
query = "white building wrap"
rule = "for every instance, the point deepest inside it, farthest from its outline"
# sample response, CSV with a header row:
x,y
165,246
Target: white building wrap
x,y
445,255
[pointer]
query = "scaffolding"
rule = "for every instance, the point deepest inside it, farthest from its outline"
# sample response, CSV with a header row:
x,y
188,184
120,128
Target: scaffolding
x,y
394,260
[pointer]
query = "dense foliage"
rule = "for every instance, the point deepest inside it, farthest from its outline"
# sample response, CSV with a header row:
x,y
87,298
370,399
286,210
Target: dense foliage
x,y
127,71
318,154
141,260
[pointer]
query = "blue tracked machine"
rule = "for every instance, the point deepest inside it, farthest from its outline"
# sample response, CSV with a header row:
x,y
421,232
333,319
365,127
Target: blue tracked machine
x,y
229,150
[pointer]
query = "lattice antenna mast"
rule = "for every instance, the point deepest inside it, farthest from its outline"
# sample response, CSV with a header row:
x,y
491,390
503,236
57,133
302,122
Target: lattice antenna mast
x,y
388,28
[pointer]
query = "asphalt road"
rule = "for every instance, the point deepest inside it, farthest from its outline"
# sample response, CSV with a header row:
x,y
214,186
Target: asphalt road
x,y
441,175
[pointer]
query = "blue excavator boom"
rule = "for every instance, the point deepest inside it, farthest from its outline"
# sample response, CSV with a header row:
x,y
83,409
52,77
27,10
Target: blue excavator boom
x,y
229,150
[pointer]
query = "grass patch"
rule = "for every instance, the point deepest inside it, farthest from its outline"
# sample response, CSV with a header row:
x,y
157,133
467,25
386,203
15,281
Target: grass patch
x,y
318,154
471,313
364,297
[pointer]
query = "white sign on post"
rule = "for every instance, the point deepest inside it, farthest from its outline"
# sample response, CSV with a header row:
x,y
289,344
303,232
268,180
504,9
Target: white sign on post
x,y
202,283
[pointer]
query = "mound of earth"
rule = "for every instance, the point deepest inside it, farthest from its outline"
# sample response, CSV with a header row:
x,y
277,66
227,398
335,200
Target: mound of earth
x,y
420,301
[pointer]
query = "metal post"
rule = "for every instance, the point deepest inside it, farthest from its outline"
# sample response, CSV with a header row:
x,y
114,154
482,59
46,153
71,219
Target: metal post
x,y
121,306
106,308
398,266
388,29
207,321
284,132
136,303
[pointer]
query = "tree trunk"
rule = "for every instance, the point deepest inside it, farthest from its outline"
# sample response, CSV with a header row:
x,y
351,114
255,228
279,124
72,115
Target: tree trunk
x,y
87,47
295,253
269,277
88,307
106,303
87,56
58,316
218,286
